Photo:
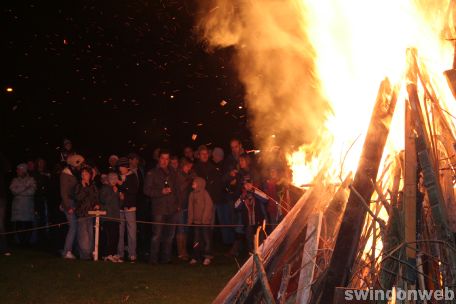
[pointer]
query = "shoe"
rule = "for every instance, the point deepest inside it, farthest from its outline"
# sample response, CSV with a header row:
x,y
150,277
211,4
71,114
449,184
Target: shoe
x,y
117,258
184,258
207,262
69,256
7,254
193,262
133,259
111,258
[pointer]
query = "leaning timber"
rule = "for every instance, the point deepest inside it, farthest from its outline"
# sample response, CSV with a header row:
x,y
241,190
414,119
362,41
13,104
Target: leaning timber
x,y
346,247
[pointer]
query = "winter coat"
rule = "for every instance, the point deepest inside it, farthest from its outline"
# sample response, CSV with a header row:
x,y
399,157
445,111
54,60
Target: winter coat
x,y
23,206
200,206
129,188
251,206
162,204
110,201
184,187
68,182
213,177
86,199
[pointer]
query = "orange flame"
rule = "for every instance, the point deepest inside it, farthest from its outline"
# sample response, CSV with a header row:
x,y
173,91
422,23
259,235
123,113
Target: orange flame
x,y
357,44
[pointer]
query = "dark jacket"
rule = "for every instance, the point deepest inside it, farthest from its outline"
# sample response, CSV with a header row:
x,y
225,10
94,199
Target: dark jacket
x,y
162,204
68,182
129,188
110,201
213,177
86,199
184,187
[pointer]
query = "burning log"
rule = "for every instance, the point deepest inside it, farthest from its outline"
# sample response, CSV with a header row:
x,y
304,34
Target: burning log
x,y
346,247
431,182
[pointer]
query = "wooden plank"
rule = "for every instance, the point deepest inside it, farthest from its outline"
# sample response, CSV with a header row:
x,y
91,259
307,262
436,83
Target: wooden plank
x,y
410,185
347,242
309,258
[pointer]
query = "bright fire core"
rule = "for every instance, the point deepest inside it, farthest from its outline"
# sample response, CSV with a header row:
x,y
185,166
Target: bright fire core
x,y
357,44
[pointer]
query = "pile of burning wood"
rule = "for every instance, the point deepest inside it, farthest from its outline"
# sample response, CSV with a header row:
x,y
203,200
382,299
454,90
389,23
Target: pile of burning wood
x,y
384,228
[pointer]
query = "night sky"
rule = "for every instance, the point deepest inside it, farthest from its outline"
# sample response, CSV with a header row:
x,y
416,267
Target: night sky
x,y
113,76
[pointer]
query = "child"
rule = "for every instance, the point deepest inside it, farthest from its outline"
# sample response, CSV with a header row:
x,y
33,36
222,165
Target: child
x,y
86,200
110,201
128,188
201,212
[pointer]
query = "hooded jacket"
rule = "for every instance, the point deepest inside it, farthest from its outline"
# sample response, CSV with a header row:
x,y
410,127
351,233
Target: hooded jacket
x,y
86,199
200,206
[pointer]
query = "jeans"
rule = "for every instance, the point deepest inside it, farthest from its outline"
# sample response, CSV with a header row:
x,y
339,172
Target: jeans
x,y
182,219
224,213
72,230
202,243
85,237
128,219
110,237
3,244
162,235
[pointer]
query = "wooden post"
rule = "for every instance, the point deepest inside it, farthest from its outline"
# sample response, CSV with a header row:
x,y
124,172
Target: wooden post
x,y
347,242
410,185
97,214
309,258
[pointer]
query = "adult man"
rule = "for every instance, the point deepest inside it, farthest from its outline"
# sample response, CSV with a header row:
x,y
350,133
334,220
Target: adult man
x,y
68,182
160,186
142,205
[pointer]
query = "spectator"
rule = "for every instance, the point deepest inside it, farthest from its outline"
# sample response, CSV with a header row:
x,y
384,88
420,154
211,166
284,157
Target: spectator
x,y
223,210
23,188
184,181
232,161
68,181
42,194
142,205
66,151
207,170
189,154
201,212
174,162
160,186
4,168
128,188
273,188
110,202
87,199
112,163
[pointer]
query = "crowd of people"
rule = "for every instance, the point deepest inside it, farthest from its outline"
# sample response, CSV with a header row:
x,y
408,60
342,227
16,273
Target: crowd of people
x,y
171,202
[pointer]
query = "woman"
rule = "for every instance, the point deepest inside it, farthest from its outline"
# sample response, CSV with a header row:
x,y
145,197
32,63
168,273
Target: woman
x,y
86,200
23,188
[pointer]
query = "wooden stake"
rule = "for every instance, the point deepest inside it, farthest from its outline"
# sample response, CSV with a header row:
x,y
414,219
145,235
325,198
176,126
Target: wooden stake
x,y
97,214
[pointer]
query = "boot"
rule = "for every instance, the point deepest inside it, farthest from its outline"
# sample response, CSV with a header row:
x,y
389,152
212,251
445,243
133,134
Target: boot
x,y
181,240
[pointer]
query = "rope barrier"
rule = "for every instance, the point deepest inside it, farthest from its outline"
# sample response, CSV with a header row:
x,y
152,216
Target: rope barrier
x,y
122,220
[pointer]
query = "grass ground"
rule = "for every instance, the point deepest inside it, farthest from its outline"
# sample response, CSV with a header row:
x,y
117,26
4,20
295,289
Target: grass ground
x,y
37,277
